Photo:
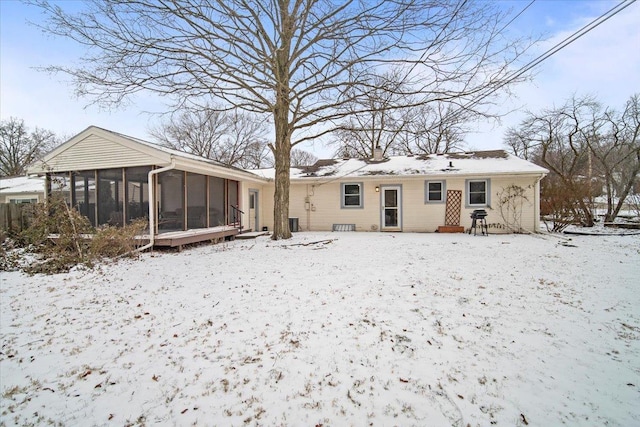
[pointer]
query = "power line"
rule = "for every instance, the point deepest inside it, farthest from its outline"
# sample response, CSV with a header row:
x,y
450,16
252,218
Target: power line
x,y
556,48
442,30
516,17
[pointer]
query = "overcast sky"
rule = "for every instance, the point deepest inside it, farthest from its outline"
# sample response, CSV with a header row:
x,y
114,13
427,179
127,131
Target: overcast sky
x,y
604,63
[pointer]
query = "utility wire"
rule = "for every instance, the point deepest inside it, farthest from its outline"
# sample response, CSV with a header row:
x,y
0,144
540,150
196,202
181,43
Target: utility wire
x,y
442,30
516,17
556,48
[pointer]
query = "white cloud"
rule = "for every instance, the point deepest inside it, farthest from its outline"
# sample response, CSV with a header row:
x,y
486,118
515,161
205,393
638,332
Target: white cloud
x,y
604,63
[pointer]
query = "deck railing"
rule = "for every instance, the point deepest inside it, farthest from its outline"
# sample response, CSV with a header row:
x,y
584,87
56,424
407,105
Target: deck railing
x,y
236,217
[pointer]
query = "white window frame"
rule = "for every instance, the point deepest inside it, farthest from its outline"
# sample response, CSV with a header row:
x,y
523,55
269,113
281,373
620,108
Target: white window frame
x,y
23,200
343,195
443,192
487,193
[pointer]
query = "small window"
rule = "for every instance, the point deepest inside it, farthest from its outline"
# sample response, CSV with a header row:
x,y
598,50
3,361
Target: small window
x,y
22,201
434,192
478,192
351,195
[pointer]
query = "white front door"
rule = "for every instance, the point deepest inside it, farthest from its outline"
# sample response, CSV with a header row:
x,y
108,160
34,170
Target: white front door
x,y
391,203
253,210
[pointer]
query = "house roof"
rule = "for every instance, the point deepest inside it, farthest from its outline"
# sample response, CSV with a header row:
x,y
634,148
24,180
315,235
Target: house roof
x,y
119,150
170,151
494,162
21,185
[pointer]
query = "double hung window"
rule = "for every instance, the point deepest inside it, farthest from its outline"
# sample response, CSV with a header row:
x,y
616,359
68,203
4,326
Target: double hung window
x,y
434,191
478,192
351,195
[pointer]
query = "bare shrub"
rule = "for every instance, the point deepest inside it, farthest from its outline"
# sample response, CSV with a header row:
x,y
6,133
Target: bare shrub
x,y
112,242
62,238
558,204
9,256
52,221
510,201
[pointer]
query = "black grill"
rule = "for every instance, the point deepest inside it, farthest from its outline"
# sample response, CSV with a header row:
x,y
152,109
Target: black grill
x,y
479,216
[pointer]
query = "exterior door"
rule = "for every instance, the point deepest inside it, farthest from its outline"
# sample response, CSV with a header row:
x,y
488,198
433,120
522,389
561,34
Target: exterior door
x,y
391,208
253,210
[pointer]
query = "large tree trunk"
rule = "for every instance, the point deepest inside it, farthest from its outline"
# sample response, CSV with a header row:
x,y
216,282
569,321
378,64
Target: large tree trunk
x,y
627,189
282,152
282,156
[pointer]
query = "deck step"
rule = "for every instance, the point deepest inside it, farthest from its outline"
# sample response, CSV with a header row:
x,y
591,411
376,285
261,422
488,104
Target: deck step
x,y
180,238
450,229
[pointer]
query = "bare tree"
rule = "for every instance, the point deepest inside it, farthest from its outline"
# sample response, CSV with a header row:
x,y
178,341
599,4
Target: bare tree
x,y
295,61
376,117
519,140
19,147
246,145
614,141
434,128
197,132
583,145
385,117
560,147
258,155
230,137
302,158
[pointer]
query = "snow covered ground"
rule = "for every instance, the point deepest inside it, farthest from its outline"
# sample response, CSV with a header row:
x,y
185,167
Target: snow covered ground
x,y
356,329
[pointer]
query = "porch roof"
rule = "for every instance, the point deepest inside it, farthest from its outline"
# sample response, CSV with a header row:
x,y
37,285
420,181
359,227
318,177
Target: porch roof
x,y
98,148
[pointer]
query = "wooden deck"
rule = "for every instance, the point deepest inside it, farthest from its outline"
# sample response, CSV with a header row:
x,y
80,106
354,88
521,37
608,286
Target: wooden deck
x,y
179,238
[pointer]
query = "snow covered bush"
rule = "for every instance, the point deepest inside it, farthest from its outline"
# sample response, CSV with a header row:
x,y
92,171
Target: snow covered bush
x,y
110,241
62,237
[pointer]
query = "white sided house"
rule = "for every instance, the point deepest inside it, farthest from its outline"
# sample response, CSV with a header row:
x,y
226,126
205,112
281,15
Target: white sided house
x,y
114,179
422,193
21,189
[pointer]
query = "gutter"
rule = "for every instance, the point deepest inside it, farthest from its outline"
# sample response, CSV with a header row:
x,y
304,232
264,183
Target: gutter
x,y
152,233
536,208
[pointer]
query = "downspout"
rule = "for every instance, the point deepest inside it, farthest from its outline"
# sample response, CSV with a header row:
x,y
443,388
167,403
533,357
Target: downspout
x,y
536,205
308,208
152,203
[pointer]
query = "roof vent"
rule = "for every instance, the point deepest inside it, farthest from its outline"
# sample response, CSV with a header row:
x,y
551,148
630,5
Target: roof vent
x,y
451,164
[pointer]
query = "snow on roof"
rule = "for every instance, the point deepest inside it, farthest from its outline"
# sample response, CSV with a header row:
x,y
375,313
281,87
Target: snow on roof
x,y
469,163
22,184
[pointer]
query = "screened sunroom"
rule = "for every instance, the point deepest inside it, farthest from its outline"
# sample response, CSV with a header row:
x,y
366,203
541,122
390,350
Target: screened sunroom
x,y
114,179
184,200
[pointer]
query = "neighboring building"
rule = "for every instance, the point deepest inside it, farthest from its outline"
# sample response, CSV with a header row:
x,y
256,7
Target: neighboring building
x,y
21,189
113,178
